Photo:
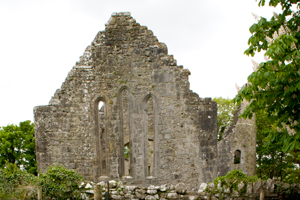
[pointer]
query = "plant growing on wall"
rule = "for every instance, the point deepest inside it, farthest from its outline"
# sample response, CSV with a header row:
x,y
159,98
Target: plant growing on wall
x,y
231,182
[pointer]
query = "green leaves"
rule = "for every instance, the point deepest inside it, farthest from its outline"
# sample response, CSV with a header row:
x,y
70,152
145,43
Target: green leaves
x,y
17,145
60,183
274,86
225,114
57,182
17,184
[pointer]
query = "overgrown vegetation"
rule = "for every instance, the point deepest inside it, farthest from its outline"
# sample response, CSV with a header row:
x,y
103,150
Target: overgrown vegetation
x,y
58,183
17,184
271,160
231,181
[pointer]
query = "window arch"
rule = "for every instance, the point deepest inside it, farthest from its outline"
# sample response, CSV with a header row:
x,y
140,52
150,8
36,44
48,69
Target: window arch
x,y
101,137
125,105
151,135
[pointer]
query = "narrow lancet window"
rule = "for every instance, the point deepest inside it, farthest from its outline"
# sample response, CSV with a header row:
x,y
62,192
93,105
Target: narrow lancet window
x,y
126,131
102,136
237,157
150,136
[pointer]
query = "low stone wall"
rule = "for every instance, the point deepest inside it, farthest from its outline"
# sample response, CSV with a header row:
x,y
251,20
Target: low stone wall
x,y
270,189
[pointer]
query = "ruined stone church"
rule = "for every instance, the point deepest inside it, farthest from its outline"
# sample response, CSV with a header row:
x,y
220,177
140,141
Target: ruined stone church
x,y
126,112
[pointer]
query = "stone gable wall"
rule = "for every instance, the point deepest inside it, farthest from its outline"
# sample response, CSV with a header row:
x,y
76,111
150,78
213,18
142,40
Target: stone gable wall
x,y
126,56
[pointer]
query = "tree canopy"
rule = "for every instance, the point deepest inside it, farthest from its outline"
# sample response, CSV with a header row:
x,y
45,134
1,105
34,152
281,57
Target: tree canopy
x,y
17,146
225,114
271,160
274,86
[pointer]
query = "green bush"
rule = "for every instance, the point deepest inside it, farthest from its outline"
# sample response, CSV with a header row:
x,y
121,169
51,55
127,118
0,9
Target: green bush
x,y
231,181
61,183
17,184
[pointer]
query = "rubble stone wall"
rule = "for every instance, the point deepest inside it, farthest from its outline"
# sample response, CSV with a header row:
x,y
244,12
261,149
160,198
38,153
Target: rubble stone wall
x,y
179,130
238,138
270,189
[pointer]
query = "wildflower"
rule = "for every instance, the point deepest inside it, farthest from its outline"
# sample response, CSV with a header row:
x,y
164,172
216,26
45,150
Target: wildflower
x,y
237,88
275,35
259,88
293,46
281,30
270,40
286,87
266,58
283,125
288,31
279,130
295,123
256,17
267,86
255,65
290,131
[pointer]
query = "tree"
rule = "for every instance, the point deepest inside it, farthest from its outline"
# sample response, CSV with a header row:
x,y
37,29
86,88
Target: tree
x,y
271,161
17,146
225,114
274,86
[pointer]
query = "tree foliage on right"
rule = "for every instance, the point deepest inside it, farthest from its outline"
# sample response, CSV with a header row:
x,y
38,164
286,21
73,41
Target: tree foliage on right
x,y
274,86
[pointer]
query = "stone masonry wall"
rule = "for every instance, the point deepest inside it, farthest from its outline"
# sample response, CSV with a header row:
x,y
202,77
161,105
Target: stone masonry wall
x,y
181,127
239,136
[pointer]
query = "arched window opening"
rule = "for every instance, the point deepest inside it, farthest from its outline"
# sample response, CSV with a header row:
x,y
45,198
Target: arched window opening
x,y
102,136
237,157
150,136
125,136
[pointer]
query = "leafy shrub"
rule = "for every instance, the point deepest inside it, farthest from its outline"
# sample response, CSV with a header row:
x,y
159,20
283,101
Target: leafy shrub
x,y
231,181
61,183
17,184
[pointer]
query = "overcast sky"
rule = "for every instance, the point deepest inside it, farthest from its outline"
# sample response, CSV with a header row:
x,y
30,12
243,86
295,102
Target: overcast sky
x,y
40,41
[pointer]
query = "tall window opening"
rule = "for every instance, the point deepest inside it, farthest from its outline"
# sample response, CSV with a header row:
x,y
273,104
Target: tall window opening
x,y
150,136
127,159
237,157
102,136
126,132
